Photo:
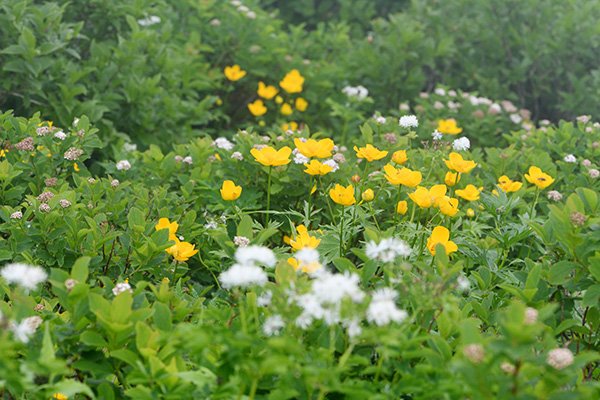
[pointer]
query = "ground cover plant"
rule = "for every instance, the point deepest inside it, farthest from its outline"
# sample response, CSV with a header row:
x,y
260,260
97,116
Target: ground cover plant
x,y
223,221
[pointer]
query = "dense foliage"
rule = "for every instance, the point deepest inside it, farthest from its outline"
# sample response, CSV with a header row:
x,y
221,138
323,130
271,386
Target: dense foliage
x,y
283,200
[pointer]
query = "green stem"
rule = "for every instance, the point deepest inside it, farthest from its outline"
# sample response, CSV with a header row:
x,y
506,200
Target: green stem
x,y
537,196
268,196
253,389
341,232
374,217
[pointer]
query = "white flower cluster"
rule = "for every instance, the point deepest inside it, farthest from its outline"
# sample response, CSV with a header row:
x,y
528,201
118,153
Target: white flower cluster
x,y
387,250
121,288
24,275
223,143
382,308
461,144
246,271
123,165
409,121
149,21
24,330
358,92
570,158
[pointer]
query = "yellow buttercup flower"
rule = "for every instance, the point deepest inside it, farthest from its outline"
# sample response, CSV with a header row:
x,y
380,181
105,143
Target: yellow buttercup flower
x,y
402,207
458,164
367,195
286,109
278,100
3,153
59,396
303,239
315,148
266,91
257,108
315,167
470,193
437,192
402,176
234,73
308,268
451,178
343,195
164,223
292,82
539,178
399,157
370,153
426,198
269,157
229,191
508,185
182,251
448,126
448,206
301,104
289,126
441,235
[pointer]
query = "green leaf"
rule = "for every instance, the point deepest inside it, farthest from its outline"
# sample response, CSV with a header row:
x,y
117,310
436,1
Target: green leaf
x,y
591,297
92,338
162,317
244,228
560,272
80,269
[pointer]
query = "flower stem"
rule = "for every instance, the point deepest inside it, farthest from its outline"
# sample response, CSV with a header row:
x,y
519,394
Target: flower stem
x,y
537,196
374,217
268,196
341,232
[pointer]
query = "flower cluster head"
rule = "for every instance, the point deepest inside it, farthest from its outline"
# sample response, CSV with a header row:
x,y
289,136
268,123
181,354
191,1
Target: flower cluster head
x,y
230,191
121,288
247,272
123,165
241,241
234,72
73,154
25,144
387,250
474,353
539,178
409,121
312,148
358,92
461,144
370,153
24,275
441,235
342,195
382,309
24,330
560,358
270,157
448,127
223,143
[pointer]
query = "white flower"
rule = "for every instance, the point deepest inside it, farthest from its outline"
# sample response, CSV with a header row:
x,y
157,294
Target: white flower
x,y
188,160
404,107
123,165
382,310
251,14
300,159
240,275
452,93
570,158
236,155
273,325
129,147
462,283
215,22
453,105
64,203
594,173
223,143
151,20
440,92
358,92
25,275
516,118
333,164
264,299
379,119
437,135
16,215
560,358
331,288
438,105
60,135
531,316
474,353
308,260
554,195
461,144
211,225
122,287
387,250
241,241
495,109
584,119
353,327
26,328
409,121
251,255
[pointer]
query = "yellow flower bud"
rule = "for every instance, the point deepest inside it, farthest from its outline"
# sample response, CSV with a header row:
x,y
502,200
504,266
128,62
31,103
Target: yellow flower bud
x,y
368,195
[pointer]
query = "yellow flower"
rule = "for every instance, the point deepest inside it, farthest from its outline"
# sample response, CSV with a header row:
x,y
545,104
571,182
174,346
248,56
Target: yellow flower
x,y
257,108
278,99
229,191
182,251
59,396
270,157
262,123
421,197
308,268
400,157
219,101
448,126
448,206
343,195
441,235
370,153
292,82
402,176
470,193
286,109
266,91
234,73
301,104
289,126
315,167
76,167
303,239
451,178
458,164
507,185
368,195
537,177
470,213
164,223
3,153
315,148
402,207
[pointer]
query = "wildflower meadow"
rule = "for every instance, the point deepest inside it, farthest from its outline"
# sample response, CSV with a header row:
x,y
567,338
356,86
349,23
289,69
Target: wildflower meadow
x,y
299,200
